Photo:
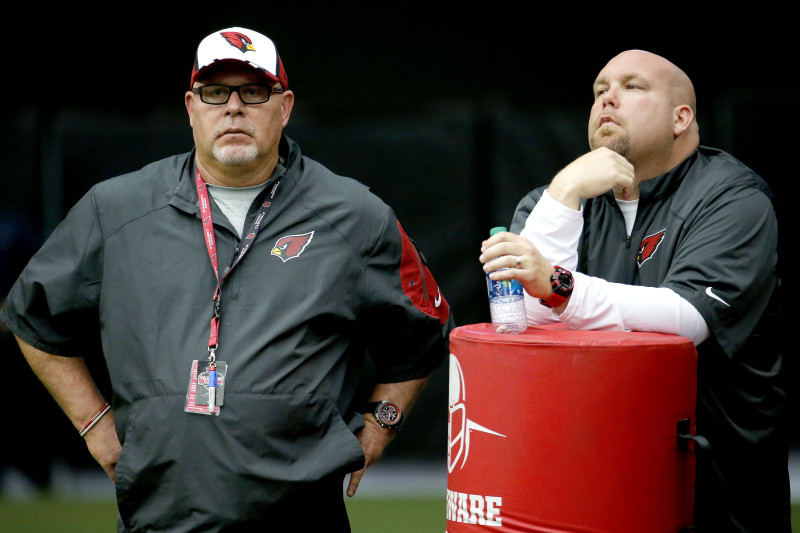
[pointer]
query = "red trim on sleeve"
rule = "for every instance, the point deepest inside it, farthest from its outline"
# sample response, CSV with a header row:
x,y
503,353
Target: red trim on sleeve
x,y
418,282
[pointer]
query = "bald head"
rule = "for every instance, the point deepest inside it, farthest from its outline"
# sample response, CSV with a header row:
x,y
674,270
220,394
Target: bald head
x,y
680,86
644,109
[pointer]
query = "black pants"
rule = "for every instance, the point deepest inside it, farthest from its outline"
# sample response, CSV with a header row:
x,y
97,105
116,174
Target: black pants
x,y
743,492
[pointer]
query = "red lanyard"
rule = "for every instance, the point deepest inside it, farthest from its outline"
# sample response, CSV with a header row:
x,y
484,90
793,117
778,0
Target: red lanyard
x,y
211,246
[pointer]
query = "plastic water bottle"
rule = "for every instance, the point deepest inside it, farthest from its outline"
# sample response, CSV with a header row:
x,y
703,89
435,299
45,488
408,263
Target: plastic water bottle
x,y
506,302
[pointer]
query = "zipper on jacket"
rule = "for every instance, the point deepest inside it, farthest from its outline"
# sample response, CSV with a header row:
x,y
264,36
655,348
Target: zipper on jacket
x,y
235,287
630,265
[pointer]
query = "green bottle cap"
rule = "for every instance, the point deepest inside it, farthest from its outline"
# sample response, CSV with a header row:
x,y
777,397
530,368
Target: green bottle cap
x,y
498,229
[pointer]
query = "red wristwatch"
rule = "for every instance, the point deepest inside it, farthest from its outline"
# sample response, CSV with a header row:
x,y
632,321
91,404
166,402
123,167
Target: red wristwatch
x,y
562,283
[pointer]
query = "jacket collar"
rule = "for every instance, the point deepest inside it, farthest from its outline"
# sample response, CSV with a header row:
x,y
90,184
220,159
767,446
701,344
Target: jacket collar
x,y
667,182
185,197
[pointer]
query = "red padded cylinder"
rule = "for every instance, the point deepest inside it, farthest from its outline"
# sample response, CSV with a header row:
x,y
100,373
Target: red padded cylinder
x,y
555,430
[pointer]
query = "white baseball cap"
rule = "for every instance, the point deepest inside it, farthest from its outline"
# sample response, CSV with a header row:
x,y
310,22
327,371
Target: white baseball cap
x,y
243,45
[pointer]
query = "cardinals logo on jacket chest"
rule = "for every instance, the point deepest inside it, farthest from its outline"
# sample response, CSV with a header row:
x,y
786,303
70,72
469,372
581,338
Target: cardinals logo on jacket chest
x,y
649,246
291,246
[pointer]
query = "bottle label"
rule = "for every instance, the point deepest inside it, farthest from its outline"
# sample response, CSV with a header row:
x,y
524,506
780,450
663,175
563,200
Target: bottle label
x,y
508,289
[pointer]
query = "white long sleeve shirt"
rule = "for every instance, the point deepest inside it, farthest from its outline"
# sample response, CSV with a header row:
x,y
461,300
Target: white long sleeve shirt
x,y
596,303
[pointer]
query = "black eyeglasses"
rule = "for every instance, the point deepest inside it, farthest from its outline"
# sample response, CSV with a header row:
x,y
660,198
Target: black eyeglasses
x,y
253,93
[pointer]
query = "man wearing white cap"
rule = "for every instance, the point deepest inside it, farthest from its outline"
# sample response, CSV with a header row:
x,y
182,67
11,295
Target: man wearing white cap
x,y
249,422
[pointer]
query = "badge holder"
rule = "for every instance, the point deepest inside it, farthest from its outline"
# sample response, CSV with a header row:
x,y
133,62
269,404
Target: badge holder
x,y
206,392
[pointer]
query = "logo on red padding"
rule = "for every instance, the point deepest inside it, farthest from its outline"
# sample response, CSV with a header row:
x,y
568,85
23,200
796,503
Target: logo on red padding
x,y
459,427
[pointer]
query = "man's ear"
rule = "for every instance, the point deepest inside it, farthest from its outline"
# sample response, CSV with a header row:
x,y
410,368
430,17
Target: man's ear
x,y
189,105
286,106
683,116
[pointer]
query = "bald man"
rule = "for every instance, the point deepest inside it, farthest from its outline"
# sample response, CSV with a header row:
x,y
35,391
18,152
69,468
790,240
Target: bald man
x,y
651,231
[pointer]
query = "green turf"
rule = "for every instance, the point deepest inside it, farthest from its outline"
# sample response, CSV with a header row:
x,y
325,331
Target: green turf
x,y
367,515
401,515
51,515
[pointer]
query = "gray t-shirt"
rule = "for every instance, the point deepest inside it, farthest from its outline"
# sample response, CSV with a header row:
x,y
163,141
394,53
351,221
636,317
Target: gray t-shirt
x,y
234,202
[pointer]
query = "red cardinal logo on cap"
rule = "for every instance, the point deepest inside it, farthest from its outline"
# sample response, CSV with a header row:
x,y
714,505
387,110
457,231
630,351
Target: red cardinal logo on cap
x,y
291,246
238,40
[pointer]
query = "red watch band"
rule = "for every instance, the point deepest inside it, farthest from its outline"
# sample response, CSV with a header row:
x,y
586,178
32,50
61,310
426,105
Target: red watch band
x,y
561,280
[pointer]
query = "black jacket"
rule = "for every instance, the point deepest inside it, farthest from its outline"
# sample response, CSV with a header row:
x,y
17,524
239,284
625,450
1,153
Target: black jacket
x,y
707,229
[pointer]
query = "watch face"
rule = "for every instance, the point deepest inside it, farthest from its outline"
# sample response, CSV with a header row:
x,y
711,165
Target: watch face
x,y
564,281
388,413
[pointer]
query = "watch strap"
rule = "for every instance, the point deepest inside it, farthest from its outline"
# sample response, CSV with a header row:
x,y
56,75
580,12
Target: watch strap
x,y
561,292
554,301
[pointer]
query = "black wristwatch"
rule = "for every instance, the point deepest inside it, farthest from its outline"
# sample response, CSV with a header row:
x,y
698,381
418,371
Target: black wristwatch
x,y
387,414
562,283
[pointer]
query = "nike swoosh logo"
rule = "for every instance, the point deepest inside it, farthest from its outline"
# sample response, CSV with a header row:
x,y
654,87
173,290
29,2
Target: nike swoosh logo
x,y
438,299
712,295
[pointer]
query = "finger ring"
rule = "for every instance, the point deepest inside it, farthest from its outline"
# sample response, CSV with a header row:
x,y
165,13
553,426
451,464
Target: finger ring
x,y
519,260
